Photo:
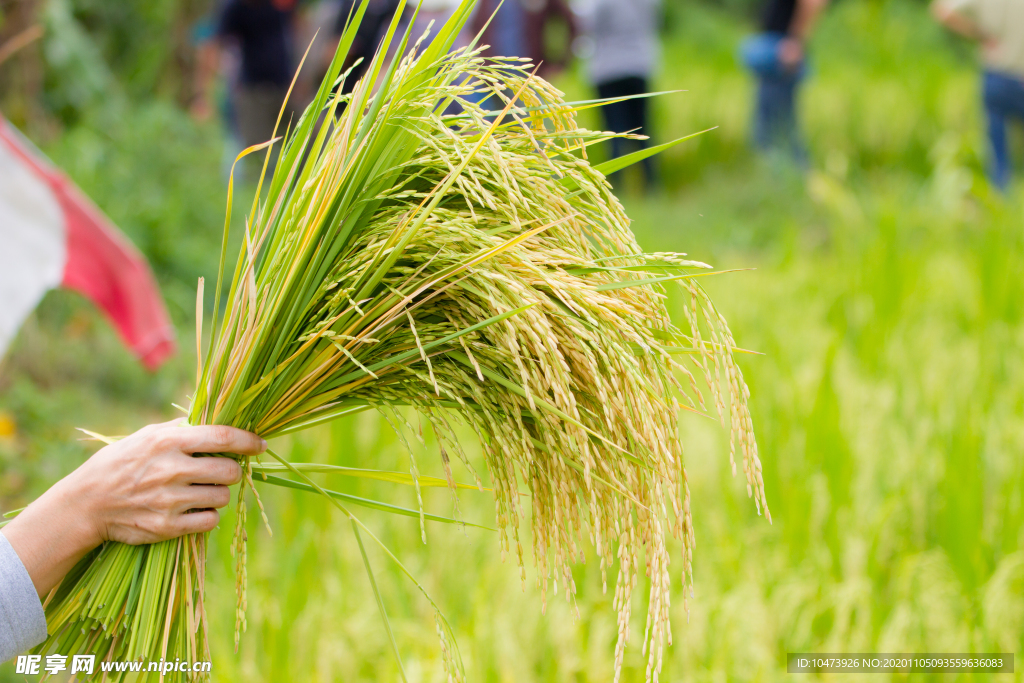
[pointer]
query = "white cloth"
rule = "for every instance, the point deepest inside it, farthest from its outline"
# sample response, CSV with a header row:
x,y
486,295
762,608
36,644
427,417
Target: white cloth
x,y
22,620
32,242
621,36
1002,23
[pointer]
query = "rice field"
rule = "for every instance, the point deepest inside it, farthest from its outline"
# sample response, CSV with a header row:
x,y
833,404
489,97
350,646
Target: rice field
x,y
888,405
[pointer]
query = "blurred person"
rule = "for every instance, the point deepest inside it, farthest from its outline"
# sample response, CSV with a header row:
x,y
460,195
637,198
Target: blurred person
x,y
504,27
378,16
622,51
501,25
999,26
213,59
777,56
146,488
540,19
264,31
432,16
316,32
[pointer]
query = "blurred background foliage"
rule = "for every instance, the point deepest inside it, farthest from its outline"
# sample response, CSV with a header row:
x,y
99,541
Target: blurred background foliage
x,y
889,403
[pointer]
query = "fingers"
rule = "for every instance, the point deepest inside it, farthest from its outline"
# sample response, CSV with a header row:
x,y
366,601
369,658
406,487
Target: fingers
x,y
201,497
193,523
159,481
155,526
149,430
212,470
220,439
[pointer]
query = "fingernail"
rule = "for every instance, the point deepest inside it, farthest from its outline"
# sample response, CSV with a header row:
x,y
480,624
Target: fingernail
x,y
263,444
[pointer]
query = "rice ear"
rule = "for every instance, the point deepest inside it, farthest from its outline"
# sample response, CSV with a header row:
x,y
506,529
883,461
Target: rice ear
x,y
473,268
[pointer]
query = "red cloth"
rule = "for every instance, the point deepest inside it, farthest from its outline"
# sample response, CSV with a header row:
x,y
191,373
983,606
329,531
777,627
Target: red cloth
x,y
101,262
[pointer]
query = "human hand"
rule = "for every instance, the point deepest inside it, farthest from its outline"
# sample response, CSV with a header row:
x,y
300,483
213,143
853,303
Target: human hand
x,y
145,488
791,53
141,489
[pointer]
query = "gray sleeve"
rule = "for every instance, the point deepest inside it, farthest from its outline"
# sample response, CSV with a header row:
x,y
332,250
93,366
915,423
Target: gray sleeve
x,y
22,621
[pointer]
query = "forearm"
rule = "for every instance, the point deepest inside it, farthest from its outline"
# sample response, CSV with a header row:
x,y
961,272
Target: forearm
x,y
955,22
807,13
51,535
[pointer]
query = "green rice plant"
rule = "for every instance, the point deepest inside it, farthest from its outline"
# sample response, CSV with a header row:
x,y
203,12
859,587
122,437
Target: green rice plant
x,y
421,252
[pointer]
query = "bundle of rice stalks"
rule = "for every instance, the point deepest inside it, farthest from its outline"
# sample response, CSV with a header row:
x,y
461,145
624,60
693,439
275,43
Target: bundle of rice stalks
x,y
472,267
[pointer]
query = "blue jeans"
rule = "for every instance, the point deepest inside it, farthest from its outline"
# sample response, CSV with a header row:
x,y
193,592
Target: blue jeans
x,y
1003,95
775,121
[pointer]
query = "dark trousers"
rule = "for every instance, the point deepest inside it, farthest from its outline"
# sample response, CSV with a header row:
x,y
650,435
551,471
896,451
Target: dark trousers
x,y
1003,95
628,116
775,121
257,108
775,125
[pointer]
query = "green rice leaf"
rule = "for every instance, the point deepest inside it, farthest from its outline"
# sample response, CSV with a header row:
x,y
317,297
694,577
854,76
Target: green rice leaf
x,y
363,502
380,475
380,600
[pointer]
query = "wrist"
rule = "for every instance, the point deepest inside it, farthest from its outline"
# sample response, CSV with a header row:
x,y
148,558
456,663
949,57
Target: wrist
x,y
52,534
71,507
